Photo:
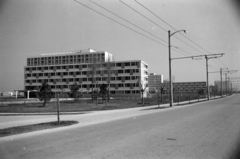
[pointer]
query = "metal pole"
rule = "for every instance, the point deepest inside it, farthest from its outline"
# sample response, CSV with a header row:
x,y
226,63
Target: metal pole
x,y
58,107
228,86
207,77
221,82
170,71
226,82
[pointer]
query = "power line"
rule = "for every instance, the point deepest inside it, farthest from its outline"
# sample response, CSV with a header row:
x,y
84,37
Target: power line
x,y
183,52
176,30
170,25
158,25
128,21
143,16
125,25
120,23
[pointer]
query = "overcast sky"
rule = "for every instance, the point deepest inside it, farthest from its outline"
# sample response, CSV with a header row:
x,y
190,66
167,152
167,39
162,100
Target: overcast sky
x,y
32,27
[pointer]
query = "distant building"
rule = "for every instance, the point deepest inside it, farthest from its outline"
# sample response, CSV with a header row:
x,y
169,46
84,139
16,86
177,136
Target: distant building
x,y
154,82
61,70
226,86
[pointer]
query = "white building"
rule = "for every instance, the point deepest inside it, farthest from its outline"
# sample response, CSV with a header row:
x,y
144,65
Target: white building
x,y
61,70
154,82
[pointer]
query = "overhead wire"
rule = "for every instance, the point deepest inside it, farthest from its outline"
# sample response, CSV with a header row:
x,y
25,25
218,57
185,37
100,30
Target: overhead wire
x,y
119,23
175,30
127,21
170,26
182,51
157,24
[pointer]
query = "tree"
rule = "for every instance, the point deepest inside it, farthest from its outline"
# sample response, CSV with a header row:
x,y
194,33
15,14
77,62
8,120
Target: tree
x,y
103,91
108,68
45,93
201,92
160,90
142,88
74,91
93,69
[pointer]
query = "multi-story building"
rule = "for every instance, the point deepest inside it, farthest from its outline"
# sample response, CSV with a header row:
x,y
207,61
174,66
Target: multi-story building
x,y
154,82
61,70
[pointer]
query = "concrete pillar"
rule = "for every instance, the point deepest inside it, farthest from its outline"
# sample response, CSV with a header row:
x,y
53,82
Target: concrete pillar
x,y
27,94
16,94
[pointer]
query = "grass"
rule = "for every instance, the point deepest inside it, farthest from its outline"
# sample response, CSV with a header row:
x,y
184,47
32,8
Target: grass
x,y
68,106
35,127
81,105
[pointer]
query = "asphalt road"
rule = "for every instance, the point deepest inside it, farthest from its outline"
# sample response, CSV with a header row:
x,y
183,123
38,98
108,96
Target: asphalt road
x,y
208,130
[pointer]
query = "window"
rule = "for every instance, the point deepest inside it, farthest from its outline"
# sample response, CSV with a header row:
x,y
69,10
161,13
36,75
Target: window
x,y
133,63
118,64
133,78
127,85
127,64
127,71
119,78
120,85
127,78
120,71
127,92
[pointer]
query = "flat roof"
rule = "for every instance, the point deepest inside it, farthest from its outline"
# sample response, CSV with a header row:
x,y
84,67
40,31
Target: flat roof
x,y
86,51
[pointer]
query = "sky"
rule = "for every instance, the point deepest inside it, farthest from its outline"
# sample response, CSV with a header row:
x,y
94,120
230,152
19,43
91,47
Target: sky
x,y
31,27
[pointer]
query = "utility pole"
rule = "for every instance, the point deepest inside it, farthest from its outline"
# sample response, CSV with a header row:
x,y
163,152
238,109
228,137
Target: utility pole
x,y
226,82
170,66
207,57
208,96
170,70
221,82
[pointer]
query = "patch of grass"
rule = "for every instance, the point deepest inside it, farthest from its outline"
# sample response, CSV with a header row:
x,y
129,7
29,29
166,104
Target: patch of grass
x,y
35,127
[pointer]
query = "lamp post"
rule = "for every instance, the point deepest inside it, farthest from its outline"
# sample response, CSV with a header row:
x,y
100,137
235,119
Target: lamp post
x,y
170,67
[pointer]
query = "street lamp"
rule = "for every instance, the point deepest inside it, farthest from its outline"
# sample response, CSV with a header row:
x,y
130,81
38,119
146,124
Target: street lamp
x,y
170,67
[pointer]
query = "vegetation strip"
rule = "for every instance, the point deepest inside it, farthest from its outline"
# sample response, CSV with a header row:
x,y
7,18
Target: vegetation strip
x,y
35,127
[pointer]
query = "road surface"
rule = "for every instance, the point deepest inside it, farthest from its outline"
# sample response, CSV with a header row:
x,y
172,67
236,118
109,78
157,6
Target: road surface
x,y
208,130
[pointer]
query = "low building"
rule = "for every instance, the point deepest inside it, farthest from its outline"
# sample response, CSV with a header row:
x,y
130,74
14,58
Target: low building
x,y
187,87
